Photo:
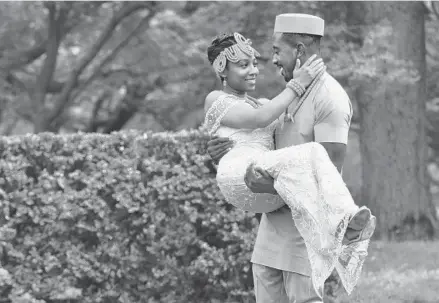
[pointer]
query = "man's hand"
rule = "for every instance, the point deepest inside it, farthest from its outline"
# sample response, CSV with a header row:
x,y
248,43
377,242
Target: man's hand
x,y
259,181
217,147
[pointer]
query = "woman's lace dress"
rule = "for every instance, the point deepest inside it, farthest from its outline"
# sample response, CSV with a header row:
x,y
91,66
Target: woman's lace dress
x,y
307,182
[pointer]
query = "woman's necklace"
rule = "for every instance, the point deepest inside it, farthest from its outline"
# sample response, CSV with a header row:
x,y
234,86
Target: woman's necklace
x,y
289,117
231,91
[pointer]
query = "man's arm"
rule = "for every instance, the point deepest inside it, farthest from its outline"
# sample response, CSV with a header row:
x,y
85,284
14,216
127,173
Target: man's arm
x,y
259,181
336,152
331,129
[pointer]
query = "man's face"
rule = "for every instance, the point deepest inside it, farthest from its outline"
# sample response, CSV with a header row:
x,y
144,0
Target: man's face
x,y
284,56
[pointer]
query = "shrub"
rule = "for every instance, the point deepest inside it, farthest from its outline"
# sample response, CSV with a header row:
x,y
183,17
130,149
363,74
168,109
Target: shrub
x,y
126,217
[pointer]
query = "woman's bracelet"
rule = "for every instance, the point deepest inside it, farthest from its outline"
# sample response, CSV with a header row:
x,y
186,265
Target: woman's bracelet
x,y
296,87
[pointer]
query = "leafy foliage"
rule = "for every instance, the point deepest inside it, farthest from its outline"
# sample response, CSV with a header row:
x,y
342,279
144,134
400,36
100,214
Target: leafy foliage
x,y
126,217
164,64
118,218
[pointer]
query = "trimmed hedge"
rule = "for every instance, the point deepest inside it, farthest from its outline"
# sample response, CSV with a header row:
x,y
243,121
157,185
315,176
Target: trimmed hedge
x,y
126,217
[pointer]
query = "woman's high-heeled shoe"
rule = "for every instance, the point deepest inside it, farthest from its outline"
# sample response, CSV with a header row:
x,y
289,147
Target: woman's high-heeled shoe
x,y
361,227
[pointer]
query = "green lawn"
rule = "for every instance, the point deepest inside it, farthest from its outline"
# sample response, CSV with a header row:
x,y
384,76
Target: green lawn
x,y
398,272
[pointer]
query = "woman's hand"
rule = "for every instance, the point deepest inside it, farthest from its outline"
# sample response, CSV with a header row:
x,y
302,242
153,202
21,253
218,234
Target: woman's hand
x,y
308,71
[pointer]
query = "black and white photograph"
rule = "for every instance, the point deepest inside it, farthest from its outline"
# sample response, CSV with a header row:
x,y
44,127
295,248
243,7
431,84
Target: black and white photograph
x,y
219,152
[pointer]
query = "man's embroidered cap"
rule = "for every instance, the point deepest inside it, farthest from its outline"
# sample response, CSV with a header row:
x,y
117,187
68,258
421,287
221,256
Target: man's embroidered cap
x,y
299,24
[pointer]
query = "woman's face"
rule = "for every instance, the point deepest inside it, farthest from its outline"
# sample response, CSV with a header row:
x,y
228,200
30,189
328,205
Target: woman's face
x,y
241,76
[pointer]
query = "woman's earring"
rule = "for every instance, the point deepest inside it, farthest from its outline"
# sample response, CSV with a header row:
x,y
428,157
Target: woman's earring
x,y
225,82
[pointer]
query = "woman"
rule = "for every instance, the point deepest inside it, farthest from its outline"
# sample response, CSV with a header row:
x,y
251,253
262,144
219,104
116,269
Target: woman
x,y
305,178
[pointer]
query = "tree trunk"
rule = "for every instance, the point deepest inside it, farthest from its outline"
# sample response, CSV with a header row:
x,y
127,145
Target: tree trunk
x,y
46,120
355,20
56,19
393,140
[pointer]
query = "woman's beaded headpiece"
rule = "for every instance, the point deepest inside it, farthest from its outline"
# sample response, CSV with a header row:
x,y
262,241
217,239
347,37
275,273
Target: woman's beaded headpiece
x,y
234,53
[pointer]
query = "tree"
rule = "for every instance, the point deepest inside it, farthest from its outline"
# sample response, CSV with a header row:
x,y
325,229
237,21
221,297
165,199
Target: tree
x,y
392,124
43,62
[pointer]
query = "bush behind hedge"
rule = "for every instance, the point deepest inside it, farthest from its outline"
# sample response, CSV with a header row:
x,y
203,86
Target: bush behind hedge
x,y
126,217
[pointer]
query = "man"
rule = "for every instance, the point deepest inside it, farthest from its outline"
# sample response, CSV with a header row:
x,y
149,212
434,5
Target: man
x,y
281,269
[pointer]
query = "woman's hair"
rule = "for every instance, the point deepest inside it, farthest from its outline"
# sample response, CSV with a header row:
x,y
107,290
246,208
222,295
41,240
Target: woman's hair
x,y
218,44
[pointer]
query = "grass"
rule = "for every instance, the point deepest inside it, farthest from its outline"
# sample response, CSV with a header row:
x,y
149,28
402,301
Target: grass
x,y
398,273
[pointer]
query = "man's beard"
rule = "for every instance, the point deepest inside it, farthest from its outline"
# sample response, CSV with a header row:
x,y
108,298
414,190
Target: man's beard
x,y
284,74
288,76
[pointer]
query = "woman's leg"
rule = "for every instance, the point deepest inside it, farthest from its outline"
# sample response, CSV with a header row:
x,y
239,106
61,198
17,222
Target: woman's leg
x,y
321,204
307,180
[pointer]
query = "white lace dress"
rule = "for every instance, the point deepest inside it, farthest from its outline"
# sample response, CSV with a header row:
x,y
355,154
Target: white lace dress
x,y
305,179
